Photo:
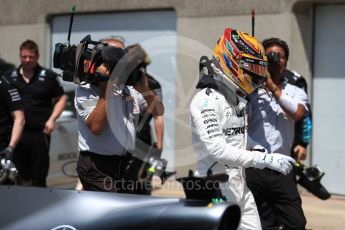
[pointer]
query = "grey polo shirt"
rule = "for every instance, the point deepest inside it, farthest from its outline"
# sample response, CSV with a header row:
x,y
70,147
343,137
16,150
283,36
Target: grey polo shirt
x,y
268,124
123,110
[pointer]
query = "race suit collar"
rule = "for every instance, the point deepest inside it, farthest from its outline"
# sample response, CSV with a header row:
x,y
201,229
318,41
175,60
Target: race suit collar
x,y
208,81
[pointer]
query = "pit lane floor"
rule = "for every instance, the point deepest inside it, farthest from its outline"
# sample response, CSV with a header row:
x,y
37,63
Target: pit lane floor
x,y
321,215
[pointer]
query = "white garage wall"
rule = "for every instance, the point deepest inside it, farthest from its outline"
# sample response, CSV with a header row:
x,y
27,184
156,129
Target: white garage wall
x,y
154,30
328,96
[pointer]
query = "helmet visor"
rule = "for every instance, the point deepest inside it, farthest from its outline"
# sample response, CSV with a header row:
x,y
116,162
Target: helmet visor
x,y
256,80
257,67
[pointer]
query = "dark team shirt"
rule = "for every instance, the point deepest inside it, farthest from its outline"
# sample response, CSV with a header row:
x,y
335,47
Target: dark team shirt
x,y
10,101
37,95
145,133
302,127
5,66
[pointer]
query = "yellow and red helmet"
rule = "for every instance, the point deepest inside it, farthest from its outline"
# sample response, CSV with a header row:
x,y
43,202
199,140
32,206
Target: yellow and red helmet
x,y
242,59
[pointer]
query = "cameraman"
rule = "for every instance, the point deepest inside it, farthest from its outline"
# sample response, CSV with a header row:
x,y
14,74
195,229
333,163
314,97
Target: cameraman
x,y
107,113
272,115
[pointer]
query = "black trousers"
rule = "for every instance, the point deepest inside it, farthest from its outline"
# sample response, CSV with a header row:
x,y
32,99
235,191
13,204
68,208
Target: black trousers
x,y
31,158
110,173
277,198
135,169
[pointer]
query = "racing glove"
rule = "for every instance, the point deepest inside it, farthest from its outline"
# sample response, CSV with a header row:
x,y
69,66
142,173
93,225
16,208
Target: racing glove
x,y
8,171
7,153
274,161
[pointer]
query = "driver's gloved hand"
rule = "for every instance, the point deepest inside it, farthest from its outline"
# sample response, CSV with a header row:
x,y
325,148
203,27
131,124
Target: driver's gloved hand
x,y
7,153
274,161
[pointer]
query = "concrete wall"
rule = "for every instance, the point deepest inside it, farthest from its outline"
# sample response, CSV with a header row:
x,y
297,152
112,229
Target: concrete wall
x,y
13,35
22,19
199,25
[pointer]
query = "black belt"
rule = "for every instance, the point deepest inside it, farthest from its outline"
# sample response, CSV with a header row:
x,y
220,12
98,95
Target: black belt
x,y
100,156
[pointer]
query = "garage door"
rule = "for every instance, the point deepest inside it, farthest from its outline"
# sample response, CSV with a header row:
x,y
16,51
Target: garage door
x,y
154,30
329,94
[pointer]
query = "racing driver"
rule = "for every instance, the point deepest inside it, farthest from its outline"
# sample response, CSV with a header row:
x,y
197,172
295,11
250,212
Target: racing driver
x,y
219,120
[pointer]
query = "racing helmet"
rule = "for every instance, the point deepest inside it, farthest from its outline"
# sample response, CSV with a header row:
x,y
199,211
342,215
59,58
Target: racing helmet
x,y
242,59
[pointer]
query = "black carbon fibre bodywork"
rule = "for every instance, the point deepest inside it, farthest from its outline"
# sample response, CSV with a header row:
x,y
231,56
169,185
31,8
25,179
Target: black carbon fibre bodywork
x,y
39,208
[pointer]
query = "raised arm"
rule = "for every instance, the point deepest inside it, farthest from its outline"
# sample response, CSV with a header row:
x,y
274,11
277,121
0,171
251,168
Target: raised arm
x,y
292,105
154,105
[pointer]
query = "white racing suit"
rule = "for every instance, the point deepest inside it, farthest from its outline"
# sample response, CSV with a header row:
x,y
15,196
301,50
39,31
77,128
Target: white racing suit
x,y
220,135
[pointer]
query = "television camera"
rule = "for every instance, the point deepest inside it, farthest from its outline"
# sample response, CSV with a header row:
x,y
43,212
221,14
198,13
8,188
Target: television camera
x,y
79,63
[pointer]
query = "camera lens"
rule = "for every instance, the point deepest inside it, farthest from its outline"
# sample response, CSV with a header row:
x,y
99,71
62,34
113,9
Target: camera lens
x,y
273,57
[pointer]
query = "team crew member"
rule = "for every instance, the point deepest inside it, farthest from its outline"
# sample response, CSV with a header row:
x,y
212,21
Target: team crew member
x,y
145,133
39,89
5,66
144,145
303,127
219,120
11,118
107,127
272,115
